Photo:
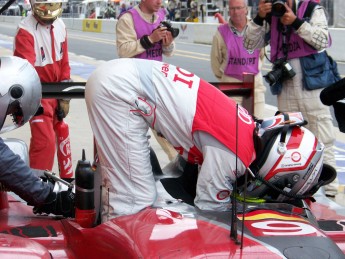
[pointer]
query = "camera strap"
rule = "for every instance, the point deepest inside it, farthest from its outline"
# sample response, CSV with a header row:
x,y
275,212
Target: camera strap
x,y
284,31
285,47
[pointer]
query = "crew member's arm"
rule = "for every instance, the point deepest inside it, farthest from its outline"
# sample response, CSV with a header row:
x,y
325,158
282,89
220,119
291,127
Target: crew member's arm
x,y
25,182
126,38
254,36
24,46
20,179
65,76
258,28
219,54
315,32
65,67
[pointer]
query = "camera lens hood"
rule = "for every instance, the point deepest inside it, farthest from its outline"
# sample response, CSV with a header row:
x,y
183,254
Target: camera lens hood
x,y
278,8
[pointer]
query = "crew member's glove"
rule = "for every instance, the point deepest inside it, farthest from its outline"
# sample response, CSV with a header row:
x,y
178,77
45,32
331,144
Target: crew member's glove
x,y
63,104
63,108
60,201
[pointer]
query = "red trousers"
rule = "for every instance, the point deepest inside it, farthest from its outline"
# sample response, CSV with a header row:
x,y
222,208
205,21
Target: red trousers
x,y
43,137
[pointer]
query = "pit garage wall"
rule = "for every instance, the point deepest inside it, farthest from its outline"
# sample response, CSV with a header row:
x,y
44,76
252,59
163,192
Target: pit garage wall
x,y
189,32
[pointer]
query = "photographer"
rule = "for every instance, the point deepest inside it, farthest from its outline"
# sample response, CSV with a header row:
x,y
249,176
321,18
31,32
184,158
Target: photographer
x,y
296,29
141,33
227,52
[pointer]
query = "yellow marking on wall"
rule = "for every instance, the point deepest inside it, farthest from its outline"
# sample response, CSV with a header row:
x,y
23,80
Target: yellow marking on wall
x,y
92,25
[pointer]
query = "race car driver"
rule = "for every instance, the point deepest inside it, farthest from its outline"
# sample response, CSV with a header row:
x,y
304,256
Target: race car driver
x,y
41,38
20,96
126,97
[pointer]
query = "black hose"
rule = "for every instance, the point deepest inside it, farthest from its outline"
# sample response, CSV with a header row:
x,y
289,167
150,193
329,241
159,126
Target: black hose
x,y
294,196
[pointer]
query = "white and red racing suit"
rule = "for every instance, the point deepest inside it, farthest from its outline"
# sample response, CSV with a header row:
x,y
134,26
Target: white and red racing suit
x,y
125,97
45,47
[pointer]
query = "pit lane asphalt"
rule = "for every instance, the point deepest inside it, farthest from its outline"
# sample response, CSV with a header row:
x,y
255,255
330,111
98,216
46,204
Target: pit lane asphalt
x,y
81,136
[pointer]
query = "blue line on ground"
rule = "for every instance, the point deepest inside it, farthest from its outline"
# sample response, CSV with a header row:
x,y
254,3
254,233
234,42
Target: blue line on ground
x,y
81,69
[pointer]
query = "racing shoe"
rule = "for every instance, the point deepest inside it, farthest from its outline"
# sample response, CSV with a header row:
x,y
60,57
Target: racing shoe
x,y
58,203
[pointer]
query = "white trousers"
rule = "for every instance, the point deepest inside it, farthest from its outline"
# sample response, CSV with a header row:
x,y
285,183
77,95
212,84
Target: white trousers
x,y
217,174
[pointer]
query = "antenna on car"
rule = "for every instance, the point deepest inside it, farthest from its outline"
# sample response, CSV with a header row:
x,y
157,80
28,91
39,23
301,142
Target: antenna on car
x,y
244,203
233,229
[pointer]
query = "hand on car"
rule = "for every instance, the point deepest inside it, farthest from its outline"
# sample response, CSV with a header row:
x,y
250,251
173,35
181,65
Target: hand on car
x,y
60,201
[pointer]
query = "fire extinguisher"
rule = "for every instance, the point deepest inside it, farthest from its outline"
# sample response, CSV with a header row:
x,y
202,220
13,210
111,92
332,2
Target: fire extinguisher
x,y
64,154
85,213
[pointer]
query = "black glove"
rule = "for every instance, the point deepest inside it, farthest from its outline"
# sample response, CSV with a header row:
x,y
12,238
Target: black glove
x,y
60,201
63,104
62,108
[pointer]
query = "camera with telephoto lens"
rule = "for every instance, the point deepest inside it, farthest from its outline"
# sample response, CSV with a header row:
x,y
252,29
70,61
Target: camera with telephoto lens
x,y
278,7
280,72
167,24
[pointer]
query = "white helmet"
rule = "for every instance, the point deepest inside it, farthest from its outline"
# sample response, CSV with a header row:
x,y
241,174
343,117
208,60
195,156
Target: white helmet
x,y
47,11
290,163
20,92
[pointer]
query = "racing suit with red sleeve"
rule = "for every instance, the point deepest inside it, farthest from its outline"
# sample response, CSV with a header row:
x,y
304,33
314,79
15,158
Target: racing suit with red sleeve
x,y
45,47
125,97
313,33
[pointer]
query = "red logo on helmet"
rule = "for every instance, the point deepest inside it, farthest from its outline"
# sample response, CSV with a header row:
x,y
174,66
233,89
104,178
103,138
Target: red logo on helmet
x,y
223,194
296,156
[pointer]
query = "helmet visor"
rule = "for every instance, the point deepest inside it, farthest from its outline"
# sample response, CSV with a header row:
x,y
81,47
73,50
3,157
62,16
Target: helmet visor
x,y
48,11
14,117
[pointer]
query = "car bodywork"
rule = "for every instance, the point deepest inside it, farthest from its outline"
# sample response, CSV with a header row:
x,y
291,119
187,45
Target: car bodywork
x,y
173,228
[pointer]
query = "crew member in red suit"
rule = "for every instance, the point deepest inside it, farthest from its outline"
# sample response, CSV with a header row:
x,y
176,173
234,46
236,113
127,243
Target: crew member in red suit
x,y
41,38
